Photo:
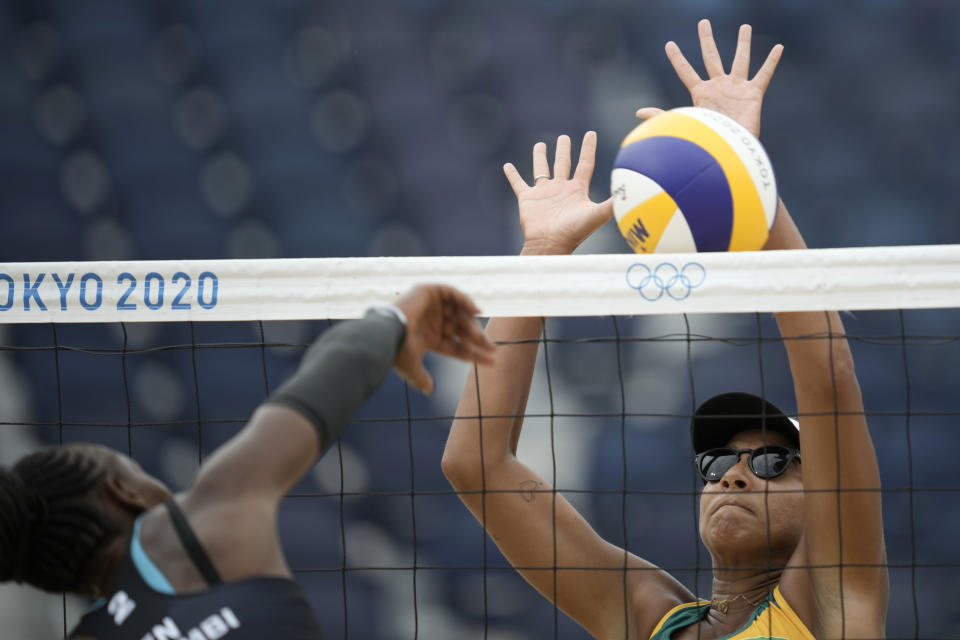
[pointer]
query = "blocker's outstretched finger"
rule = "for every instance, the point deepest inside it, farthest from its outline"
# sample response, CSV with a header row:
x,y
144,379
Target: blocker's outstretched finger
x,y
685,71
646,113
708,47
517,183
541,167
587,159
741,59
765,73
561,162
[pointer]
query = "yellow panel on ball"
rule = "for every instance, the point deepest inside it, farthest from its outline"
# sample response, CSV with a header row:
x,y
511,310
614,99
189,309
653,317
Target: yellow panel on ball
x,y
643,225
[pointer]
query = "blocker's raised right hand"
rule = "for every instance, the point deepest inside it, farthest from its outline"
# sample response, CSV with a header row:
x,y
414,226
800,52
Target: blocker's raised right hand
x,y
734,94
556,212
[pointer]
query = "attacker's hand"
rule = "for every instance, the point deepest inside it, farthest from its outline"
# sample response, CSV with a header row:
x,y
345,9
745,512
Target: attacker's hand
x,y
443,320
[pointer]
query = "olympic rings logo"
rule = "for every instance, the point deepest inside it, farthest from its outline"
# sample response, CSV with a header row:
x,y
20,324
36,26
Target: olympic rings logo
x,y
665,278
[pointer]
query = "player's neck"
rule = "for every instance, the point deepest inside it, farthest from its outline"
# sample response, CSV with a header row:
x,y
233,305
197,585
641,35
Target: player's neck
x,y
105,570
735,591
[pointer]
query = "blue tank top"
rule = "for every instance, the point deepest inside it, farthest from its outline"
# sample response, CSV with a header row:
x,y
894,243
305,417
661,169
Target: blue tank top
x,y
143,605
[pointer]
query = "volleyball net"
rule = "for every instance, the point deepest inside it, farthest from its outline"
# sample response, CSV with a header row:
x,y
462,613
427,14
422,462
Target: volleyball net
x,y
167,360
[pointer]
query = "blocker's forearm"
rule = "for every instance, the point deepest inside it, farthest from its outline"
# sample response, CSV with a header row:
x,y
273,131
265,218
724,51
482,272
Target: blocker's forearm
x,y
503,391
840,472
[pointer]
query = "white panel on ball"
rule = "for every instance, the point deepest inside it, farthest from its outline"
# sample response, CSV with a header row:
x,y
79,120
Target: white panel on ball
x,y
737,136
677,237
631,189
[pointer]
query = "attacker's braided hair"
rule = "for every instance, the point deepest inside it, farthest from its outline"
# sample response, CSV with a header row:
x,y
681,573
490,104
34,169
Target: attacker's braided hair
x,y
50,528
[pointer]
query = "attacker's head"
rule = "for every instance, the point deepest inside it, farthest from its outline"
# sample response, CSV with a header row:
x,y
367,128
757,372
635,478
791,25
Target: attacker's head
x,y
61,507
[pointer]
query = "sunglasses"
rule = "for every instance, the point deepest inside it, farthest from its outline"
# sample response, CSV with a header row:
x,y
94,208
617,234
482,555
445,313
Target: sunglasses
x,y
765,462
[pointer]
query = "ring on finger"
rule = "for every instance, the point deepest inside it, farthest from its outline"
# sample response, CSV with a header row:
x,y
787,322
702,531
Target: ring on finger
x,y
542,175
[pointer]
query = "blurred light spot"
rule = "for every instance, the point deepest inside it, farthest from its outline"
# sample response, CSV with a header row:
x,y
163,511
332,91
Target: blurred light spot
x,y
286,332
252,239
369,546
173,54
200,117
314,55
458,50
506,597
59,114
40,50
105,239
84,181
396,239
139,334
158,391
594,42
16,401
226,184
477,125
339,121
356,478
370,188
178,459
615,92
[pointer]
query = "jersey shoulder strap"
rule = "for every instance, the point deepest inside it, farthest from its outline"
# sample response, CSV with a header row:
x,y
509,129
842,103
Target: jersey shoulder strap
x,y
193,547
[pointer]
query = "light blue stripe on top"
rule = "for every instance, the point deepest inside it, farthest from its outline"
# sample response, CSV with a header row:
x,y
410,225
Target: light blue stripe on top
x,y
148,571
97,605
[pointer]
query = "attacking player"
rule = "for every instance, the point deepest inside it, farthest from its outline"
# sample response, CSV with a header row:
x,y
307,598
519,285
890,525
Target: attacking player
x,y
207,563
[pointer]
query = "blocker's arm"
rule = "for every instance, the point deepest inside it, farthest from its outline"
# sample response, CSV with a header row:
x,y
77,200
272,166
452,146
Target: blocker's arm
x,y
840,475
538,531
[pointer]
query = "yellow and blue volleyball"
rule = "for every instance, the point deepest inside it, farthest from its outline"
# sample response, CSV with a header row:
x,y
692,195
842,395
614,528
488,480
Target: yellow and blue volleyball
x,y
692,179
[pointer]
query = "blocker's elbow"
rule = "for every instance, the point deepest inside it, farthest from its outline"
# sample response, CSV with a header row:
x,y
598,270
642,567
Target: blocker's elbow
x,y
458,471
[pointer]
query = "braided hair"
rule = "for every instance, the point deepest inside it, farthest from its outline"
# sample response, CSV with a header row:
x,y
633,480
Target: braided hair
x,y
50,528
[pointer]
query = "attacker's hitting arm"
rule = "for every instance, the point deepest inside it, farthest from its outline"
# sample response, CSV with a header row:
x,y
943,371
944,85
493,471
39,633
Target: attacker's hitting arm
x,y
337,374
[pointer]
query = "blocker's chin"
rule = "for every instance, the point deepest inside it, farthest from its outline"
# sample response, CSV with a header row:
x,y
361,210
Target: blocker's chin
x,y
730,525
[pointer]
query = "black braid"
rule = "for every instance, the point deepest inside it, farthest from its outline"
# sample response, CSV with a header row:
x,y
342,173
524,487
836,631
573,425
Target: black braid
x,y
50,527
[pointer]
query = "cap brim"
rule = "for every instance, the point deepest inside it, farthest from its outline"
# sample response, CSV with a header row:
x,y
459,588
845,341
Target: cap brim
x,y
721,417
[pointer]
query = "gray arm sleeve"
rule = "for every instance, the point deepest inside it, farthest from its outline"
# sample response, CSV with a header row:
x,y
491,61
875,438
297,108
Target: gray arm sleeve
x,y
341,370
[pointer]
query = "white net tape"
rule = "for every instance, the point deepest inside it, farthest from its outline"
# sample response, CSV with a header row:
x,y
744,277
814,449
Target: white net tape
x,y
582,285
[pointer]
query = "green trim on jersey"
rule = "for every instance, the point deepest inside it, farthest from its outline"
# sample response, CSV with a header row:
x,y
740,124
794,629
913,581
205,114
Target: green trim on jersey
x,y
695,612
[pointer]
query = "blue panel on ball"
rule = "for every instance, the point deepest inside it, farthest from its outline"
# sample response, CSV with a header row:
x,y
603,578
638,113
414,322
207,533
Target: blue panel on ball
x,y
694,180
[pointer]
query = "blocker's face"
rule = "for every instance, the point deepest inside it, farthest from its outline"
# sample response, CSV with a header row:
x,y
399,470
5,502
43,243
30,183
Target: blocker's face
x,y
738,511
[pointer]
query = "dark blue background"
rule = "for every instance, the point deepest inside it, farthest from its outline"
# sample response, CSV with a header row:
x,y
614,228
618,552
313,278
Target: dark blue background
x,y
249,129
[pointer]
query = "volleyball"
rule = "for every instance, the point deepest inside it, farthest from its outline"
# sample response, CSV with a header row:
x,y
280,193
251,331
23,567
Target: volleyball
x,y
692,179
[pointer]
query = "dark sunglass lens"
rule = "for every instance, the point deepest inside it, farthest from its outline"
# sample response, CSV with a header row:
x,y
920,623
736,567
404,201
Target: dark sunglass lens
x,y
714,464
770,462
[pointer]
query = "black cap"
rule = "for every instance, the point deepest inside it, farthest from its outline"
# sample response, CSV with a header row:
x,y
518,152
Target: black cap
x,y
721,417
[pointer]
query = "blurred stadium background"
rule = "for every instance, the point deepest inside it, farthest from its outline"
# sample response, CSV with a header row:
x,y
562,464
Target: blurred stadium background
x,y
252,129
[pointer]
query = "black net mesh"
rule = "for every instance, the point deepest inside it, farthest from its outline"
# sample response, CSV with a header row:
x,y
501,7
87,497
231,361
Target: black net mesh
x,y
376,536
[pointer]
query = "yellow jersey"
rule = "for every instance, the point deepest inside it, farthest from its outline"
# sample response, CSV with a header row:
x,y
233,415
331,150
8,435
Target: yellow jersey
x,y
774,619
